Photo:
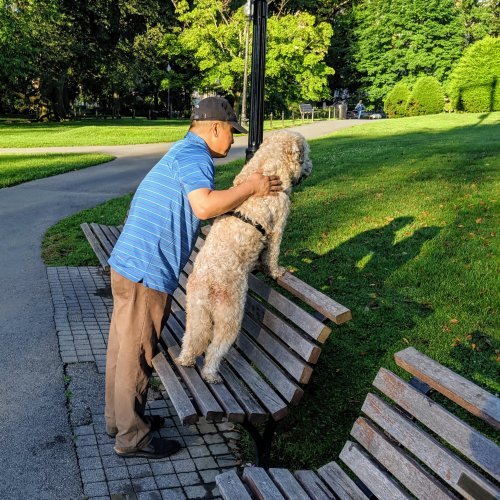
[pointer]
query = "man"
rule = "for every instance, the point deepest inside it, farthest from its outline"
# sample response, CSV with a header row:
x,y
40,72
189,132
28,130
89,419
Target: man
x,y
147,259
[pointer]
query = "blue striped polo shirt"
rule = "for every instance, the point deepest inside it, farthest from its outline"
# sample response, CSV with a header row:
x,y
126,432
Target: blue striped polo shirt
x,y
161,227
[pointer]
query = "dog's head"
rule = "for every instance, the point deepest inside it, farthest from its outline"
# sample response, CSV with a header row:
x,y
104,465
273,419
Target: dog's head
x,y
292,152
283,153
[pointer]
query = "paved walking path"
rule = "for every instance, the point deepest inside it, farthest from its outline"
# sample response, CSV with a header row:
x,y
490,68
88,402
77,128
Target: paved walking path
x,y
37,451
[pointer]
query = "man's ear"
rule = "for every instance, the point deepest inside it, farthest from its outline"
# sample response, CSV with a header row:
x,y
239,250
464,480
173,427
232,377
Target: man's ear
x,y
216,127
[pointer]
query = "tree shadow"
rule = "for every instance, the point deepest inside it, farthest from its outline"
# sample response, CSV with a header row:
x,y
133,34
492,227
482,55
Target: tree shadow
x,y
383,316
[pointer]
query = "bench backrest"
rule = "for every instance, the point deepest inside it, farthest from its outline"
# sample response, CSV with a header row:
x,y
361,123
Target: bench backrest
x,y
408,439
306,108
274,355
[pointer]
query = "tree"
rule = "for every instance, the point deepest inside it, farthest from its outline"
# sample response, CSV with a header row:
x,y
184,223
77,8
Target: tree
x,y
295,59
213,34
404,40
475,82
480,18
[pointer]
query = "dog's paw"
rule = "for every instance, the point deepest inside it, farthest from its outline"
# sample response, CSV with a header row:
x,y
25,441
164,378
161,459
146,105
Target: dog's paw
x,y
278,272
184,360
211,377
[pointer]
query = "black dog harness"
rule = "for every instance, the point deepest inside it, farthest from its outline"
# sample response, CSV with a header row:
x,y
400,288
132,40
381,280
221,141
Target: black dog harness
x,y
256,225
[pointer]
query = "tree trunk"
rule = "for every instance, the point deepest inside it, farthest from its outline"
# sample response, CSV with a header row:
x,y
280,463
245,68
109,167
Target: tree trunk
x,y
60,98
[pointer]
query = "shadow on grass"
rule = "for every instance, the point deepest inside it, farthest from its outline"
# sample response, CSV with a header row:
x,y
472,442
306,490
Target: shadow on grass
x,y
382,317
382,273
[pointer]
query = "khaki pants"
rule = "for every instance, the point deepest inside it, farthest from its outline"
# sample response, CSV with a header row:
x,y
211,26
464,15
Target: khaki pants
x,y
139,314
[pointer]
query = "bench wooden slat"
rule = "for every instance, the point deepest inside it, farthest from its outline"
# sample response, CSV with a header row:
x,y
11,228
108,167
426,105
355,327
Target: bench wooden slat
x,y
232,409
297,368
255,413
103,238
429,451
314,486
406,470
457,433
460,390
231,487
253,410
207,404
325,305
96,246
183,406
262,390
305,321
305,348
379,483
287,484
110,235
116,230
338,481
261,484
281,382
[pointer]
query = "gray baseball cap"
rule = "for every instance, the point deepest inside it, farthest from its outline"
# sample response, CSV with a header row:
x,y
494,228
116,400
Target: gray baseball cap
x,y
217,108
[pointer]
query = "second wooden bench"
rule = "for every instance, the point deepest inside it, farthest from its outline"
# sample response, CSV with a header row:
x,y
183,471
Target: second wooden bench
x,y
406,445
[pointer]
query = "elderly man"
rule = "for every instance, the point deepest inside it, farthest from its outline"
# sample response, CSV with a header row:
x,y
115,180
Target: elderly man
x,y
146,262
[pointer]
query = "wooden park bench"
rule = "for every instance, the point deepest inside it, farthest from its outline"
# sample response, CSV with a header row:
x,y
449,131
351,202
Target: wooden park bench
x,y
411,447
268,367
306,109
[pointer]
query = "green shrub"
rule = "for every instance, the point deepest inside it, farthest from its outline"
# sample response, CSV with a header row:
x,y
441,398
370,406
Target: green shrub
x,y
474,83
427,97
396,101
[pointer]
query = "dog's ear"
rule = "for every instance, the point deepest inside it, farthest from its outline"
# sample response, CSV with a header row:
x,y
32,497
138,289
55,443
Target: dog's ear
x,y
296,151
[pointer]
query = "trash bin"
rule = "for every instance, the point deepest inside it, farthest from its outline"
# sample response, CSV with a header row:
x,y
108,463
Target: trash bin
x,y
341,111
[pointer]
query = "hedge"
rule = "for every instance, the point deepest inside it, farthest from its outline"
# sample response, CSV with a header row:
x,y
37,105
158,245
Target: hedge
x,y
475,82
427,97
396,101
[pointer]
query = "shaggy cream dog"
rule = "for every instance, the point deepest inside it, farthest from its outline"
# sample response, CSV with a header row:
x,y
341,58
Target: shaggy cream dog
x,y
217,286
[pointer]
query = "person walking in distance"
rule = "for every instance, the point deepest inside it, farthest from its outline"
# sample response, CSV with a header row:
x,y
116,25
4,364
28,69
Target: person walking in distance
x,y
360,108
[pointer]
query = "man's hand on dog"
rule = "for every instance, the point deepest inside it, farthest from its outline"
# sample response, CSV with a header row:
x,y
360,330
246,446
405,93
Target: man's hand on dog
x,y
265,185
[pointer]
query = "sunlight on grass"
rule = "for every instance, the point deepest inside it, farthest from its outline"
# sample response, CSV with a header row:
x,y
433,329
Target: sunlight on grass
x,y
91,133
100,132
15,169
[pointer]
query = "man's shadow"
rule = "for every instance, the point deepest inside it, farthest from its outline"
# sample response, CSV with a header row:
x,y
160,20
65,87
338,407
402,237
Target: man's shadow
x,y
363,275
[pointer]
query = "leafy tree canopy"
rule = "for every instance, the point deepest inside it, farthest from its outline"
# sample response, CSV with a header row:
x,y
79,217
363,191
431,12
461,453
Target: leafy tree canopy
x,y
296,48
404,40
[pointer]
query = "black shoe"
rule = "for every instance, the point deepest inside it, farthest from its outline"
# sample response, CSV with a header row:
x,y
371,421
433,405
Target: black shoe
x,y
155,422
157,448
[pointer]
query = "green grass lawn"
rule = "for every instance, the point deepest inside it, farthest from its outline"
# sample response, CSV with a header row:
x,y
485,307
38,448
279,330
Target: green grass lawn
x,y
398,222
22,134
90,132
18,168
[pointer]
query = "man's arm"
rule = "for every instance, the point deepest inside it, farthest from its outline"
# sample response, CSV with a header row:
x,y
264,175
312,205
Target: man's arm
x,y
207,203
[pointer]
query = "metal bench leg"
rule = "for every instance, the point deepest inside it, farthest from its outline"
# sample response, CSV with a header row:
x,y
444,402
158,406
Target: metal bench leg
x,y
262,441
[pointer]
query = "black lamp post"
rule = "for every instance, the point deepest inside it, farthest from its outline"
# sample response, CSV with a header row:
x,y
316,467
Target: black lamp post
x,y
256,126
